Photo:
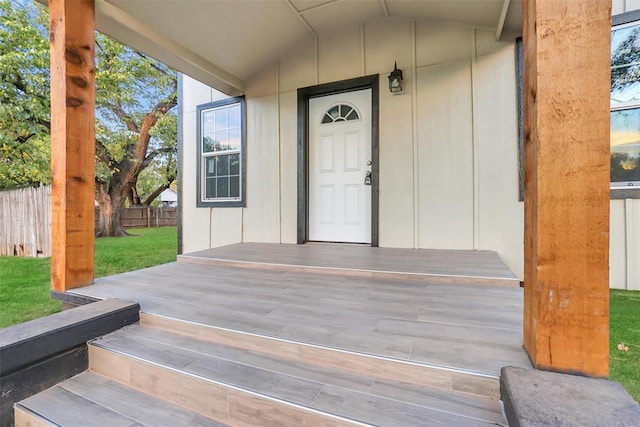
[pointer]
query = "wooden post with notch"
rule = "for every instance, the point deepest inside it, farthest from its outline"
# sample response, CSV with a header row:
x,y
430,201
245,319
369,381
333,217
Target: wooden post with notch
x,y
72,40
567,87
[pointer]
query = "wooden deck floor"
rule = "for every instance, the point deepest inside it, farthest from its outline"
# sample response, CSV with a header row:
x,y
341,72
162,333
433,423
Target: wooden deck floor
x,y
463,327
452,265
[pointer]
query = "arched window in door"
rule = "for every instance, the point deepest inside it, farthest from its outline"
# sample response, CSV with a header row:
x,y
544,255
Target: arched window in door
x,y
340,113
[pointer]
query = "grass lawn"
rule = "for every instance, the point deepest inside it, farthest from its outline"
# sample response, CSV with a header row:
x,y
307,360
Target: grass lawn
x,y
24,290
146,247
624,366
25,284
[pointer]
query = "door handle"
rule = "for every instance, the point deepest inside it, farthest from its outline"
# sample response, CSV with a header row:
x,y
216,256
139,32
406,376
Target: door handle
x,y
367,178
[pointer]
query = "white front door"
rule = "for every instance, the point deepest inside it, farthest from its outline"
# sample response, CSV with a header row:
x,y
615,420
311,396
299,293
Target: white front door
x,y
339,160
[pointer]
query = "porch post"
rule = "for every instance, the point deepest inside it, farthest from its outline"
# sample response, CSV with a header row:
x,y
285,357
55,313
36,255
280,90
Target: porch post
x,y
72,25
566,92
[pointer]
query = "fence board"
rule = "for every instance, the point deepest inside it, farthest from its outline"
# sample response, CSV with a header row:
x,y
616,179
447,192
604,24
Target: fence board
x,y
25,221
25,215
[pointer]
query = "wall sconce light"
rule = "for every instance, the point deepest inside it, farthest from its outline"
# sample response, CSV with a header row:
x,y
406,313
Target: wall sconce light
x,y
395,79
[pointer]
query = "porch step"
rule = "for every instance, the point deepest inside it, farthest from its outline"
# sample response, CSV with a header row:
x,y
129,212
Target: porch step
x,y
419,374
240,386
90,399
424,265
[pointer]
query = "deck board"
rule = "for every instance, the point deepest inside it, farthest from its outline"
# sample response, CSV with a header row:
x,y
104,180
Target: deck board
x,y
90,399
359,396
467,327
450,264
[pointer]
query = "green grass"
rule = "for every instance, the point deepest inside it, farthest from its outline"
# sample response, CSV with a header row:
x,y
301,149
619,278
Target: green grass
x,y
24,290
144,248
624,366
25,283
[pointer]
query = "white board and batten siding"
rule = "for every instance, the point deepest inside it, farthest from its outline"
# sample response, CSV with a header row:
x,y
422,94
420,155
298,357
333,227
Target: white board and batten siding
x,y
448,142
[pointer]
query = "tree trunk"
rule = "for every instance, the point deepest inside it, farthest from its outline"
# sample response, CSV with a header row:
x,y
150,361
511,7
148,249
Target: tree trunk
x,y
134,196
111,206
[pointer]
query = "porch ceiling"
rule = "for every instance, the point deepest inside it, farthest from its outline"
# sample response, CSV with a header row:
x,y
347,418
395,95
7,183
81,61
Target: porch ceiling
x,y
223,43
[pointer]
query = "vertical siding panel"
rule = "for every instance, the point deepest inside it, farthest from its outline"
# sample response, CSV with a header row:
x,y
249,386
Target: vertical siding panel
x,y
618,245
261,214
289,165
445,155
385,43
498,213
196,226
339,55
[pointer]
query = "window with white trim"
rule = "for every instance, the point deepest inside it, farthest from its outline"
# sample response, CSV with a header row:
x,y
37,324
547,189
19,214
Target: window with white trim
x,y
625,105
221,153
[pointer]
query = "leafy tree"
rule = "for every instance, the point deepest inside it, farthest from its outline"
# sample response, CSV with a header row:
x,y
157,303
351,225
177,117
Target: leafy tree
x,y
163,172
133,97
135,128
24,96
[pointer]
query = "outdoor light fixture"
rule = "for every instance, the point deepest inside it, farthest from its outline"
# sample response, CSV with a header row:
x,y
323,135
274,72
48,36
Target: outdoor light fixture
x,y
395,79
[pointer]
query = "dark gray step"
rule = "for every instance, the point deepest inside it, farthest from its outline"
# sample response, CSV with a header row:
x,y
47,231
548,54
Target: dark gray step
x,y
90,399
136,353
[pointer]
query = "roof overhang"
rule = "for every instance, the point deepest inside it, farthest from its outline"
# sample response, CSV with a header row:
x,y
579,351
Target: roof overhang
x,y
223,43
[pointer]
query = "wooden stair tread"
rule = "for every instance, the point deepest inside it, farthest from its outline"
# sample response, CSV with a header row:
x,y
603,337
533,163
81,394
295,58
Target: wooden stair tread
x,y
346,394
90,399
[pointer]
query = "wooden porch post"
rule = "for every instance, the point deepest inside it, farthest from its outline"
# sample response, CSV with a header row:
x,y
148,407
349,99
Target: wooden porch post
x,y
566,91
72,25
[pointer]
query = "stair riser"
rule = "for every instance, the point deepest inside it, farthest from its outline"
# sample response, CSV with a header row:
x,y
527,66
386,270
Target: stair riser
x,y
25,418
436,279
421,375
216,401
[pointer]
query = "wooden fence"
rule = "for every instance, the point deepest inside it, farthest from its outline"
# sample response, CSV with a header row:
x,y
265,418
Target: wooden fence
x,y
25,222
143,216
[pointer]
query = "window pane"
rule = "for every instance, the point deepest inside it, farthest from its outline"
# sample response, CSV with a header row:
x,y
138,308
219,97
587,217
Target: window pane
x,y
234,141
211,166
221,118
234,186
208,144
223,187
234,116
234,164
222,140
210,188
223,165
207,121
625,145
625,65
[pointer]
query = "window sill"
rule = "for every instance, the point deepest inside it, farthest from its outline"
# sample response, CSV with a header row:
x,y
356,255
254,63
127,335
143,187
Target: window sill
x,y
625,193
229,204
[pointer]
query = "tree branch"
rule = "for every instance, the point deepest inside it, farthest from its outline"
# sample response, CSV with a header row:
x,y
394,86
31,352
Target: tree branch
x,y
122,115
155,153
153,63
102,154
24,138
154,195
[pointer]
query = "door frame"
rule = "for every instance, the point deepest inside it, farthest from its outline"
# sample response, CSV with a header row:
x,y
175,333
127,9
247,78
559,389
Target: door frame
x,y
343,86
